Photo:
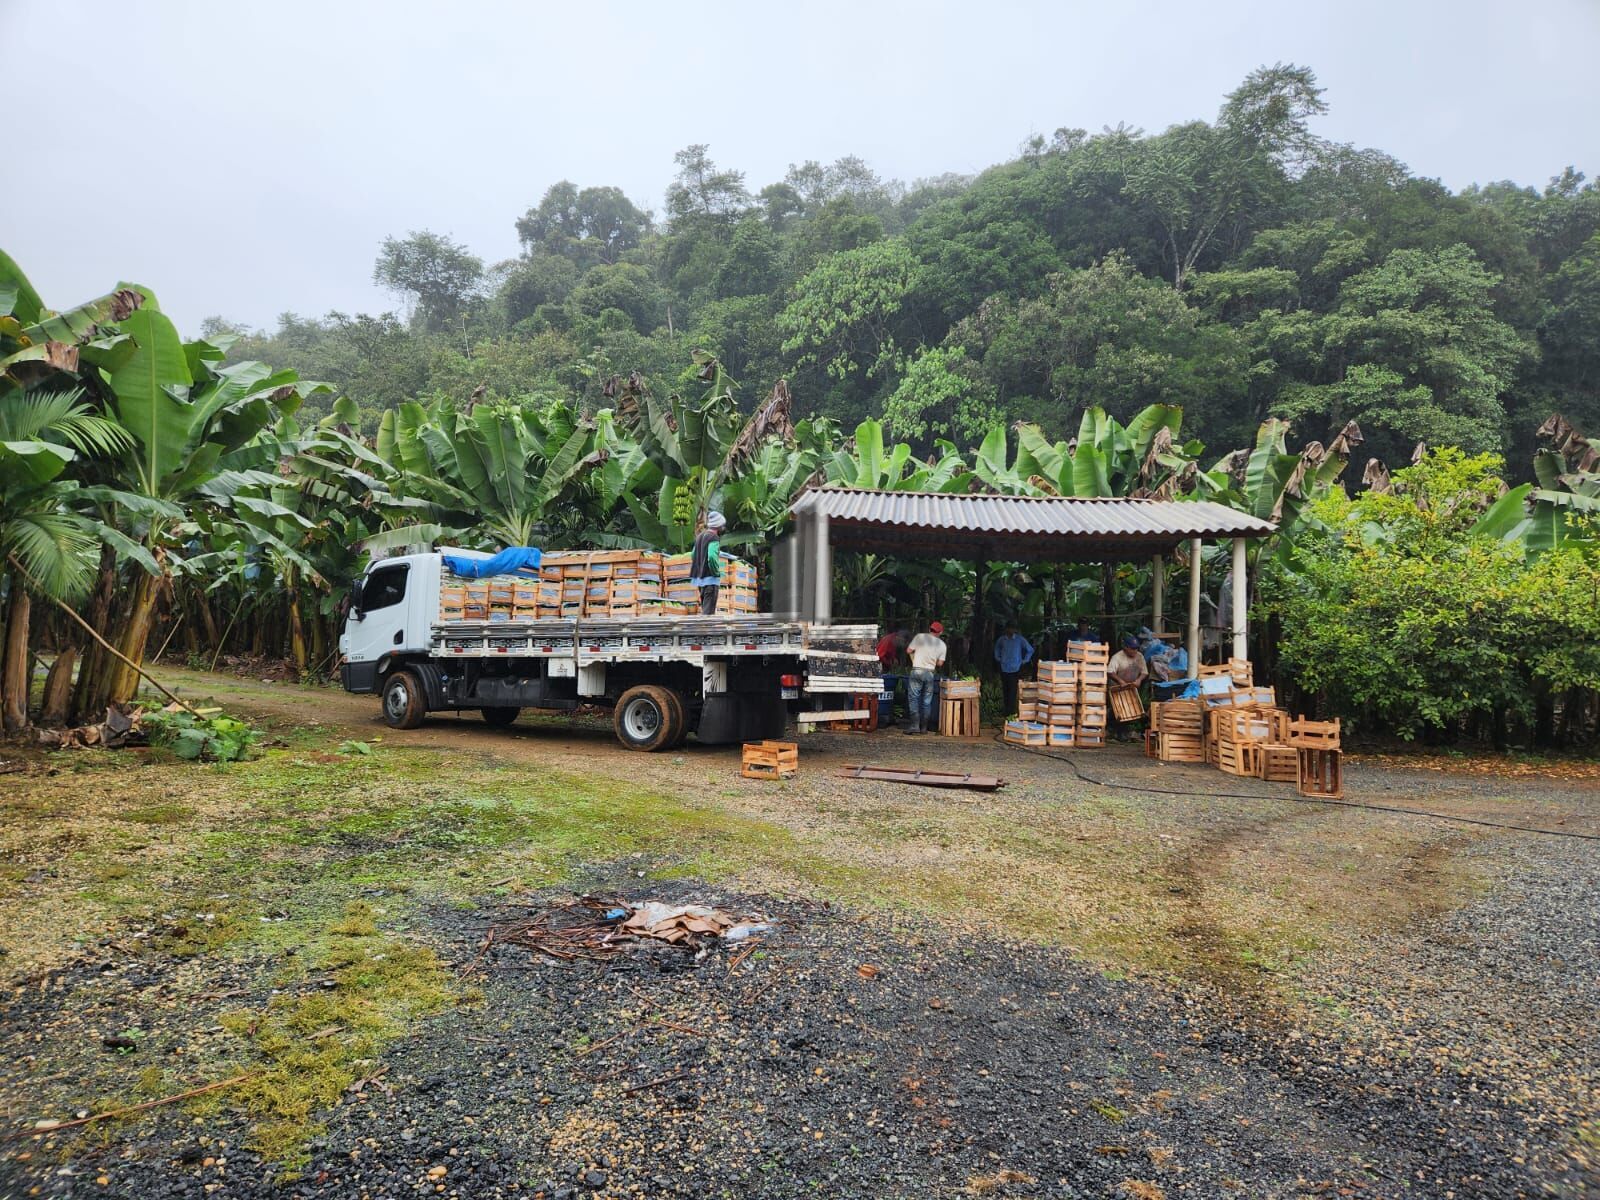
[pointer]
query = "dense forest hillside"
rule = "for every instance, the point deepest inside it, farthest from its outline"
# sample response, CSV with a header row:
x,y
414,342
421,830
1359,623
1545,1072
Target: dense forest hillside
x,y
1240,267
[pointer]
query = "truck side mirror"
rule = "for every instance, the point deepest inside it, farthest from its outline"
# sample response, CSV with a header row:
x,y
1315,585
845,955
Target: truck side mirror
x,y
352,602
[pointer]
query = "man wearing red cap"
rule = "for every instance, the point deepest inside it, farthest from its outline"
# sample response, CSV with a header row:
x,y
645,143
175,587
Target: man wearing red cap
x,y
927,652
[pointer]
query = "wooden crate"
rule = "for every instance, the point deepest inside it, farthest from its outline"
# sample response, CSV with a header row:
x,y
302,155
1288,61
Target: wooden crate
x,y
1240,670
1091,675
1239,758
1027,690
770,760
1314,735
1026,733
1280,763
1059,716
1085,737
1186,717
1058,673
1319,772
1088,652
1091,716
1126,704
959,717
958,689
1179,747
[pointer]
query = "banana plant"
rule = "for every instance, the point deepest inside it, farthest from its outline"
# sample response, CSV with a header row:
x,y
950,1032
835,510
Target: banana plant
x,y
866,463
1108,458
497,470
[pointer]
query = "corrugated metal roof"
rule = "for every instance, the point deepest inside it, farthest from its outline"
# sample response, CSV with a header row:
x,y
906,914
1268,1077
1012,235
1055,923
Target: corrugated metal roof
x,y
1082,519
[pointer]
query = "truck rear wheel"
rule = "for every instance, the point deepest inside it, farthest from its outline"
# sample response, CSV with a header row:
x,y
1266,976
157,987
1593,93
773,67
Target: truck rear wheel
x,y
647,718
404,705
680,719
500,717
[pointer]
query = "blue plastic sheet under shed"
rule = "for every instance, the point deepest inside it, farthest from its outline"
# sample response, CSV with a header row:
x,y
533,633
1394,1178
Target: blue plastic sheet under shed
x,y
507,562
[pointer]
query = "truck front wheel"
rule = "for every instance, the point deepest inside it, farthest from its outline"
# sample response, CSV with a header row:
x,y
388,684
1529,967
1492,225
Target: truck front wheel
x,y
647,718
403,703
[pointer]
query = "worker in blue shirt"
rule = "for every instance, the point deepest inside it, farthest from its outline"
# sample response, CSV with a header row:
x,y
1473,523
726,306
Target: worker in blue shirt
x,y
1013,652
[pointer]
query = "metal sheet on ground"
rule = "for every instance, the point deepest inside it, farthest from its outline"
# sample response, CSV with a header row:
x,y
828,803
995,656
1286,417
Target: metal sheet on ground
x,y
915,775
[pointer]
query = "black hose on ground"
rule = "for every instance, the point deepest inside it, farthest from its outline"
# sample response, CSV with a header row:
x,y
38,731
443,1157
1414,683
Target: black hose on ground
x,y
1388,808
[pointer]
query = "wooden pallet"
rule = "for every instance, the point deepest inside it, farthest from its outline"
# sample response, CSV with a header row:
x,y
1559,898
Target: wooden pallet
x,y
770,760
835,714
958,717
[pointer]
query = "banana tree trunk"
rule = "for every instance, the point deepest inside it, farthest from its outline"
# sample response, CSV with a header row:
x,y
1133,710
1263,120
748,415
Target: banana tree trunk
x,y
88,700
14,661
58,688
209,620
297,632
122,681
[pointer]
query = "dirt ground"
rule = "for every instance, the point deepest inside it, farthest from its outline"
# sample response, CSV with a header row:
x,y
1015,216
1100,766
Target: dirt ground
x,y
1111,978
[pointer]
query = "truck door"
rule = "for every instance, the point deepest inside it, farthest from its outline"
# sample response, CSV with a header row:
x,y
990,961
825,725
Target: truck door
x,y
377,625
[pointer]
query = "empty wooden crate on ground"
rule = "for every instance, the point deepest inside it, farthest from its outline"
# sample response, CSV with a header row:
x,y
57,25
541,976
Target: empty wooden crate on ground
x,y
770,760
958,708
1319,769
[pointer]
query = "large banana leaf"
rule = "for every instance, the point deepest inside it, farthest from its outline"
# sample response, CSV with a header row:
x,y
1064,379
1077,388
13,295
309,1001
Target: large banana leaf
x,y
1506,520
24,303
1091,475
32,462
1038,455
158,421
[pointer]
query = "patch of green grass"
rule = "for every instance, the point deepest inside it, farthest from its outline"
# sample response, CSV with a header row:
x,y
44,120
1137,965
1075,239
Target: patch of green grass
x,y
308,1046
157,814
1108,1110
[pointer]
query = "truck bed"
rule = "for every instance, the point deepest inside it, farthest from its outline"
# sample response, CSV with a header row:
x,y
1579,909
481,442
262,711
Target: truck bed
x,y
587,640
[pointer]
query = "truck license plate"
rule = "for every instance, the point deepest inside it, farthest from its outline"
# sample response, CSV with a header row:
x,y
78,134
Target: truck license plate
x,y
791,693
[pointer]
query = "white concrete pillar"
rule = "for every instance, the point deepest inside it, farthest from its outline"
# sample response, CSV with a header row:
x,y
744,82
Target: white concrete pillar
x,y
824,596
1194,609
1158,594
1241,602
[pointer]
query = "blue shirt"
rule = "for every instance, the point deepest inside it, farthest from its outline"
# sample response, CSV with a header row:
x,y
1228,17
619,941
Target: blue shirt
x,y
1011,651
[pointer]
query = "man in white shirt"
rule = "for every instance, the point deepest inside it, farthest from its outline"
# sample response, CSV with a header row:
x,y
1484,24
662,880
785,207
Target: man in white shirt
x,y
1127,668
927,653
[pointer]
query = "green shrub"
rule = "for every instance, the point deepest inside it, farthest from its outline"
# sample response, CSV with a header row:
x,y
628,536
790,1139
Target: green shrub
x,y
214,739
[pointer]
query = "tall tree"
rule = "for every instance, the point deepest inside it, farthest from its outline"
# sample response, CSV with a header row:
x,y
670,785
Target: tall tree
x,y
440,276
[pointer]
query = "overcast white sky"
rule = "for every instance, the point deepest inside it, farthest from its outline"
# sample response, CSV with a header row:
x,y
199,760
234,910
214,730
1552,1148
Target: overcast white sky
x,y
247,157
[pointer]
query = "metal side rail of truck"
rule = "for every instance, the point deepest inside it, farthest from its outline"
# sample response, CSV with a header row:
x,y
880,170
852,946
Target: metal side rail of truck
x,y
727,679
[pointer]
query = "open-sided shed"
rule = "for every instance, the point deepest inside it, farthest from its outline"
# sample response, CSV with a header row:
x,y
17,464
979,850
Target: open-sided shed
x,y
1008,529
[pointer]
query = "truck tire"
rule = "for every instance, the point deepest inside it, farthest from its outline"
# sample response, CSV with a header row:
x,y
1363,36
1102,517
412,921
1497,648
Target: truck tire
x,y
643,718
404,704
680,719
500,717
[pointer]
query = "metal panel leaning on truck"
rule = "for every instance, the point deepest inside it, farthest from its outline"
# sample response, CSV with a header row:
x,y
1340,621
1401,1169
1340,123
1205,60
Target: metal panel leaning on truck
x,y
600,629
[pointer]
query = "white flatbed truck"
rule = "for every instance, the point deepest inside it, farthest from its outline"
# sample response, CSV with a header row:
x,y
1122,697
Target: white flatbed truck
x,y
727,679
